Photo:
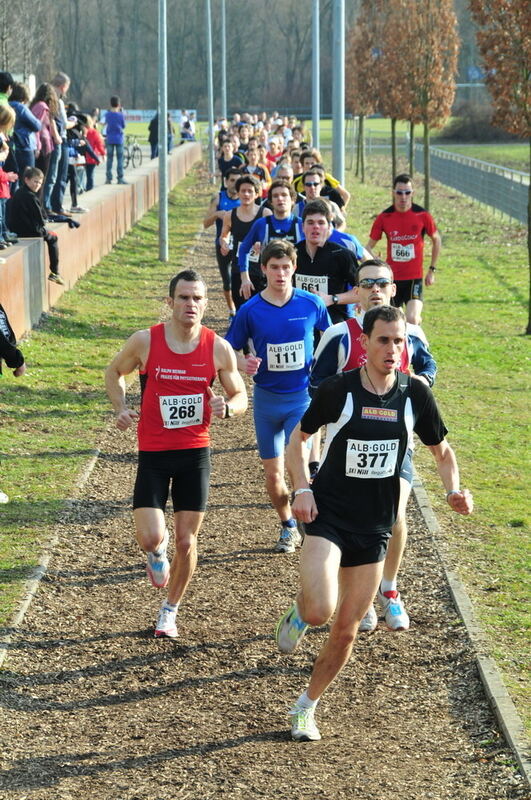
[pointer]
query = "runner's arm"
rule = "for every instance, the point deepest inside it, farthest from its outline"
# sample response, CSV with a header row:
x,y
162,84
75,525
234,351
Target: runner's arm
x,y
370,245
230,379
225,231
132,356
303,506
212,213
460,501
436,243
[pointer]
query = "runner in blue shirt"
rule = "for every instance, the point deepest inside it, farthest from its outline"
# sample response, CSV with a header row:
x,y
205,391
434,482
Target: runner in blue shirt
x,y
277,326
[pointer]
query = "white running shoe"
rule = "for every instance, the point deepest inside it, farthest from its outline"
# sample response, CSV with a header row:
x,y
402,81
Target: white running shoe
x,y
303,727
158,567
4,498
396,616
289,539
166,627
369,621
290,630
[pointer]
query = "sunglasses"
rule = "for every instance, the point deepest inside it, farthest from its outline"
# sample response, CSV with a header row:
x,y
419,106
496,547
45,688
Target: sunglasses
x,y
403,191
312,183
368,283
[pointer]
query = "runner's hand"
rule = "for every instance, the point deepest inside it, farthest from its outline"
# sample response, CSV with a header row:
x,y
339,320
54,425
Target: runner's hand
x,y
461,502
429,280
251,364
223,247
326,298
304,507
246,287
216,402
126,418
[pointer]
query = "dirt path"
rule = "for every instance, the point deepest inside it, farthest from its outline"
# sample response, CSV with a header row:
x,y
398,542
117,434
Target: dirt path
x,y
94,707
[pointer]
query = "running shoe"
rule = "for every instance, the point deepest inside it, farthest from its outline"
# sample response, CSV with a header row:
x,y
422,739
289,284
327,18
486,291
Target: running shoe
x,y
4,498
158,567
396,616
55,278
290,630
78,210
289,539
303,727
369,621
166,627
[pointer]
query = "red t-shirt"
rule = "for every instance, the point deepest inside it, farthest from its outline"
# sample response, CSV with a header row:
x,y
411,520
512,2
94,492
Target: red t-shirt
x,y
175,413
405,232
357,356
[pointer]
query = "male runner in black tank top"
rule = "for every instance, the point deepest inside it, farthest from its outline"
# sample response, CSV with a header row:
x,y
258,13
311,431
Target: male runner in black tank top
x,y
348,512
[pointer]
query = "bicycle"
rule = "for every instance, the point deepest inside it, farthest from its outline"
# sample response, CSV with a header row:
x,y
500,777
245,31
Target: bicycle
x,y
132,153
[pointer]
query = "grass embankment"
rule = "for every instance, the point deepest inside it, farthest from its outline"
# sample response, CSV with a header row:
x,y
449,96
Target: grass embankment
x,y
51,418
474,317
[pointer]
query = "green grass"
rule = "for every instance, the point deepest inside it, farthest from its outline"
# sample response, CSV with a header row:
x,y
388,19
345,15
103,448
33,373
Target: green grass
x,y
474,317
513,156
52,417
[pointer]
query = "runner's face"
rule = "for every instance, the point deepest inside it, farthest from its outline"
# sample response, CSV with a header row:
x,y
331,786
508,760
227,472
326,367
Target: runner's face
x,y
403,202
375,295
230,183
384,346
279,272
281,200
247,194
188,303
312,186
228,150
316,229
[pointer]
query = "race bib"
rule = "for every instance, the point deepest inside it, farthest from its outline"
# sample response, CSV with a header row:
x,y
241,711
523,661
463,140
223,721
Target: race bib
x,y
254,257
285,357
402,252
371,459
318,283
181,410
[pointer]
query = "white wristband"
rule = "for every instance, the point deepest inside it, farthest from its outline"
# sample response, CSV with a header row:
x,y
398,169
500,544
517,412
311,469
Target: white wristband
x,y
302,491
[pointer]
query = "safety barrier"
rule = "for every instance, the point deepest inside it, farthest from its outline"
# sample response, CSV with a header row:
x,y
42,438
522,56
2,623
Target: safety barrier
x,y
25,291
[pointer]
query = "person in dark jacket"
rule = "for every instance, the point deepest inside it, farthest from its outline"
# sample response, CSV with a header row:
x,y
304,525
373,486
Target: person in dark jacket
x,y
27,218
13,358
26,126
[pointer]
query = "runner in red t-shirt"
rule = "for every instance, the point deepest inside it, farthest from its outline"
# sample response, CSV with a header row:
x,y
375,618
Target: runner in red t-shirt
x,y
405,224
178,362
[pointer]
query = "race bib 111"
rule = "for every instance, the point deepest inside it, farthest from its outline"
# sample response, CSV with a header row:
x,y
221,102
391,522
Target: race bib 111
x,y
285,357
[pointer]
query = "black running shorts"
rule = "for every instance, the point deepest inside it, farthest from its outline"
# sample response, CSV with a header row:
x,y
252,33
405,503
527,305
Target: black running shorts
x,y
188,472
356,549
407,290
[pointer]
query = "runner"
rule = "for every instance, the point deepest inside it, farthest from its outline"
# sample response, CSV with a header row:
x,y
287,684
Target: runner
x,y
371,414
236,225
340,349
278,326
178,362
225,200
283,224
405,225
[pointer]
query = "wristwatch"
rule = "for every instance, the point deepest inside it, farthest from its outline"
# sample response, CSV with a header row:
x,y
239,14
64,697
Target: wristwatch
x,y
432,268
335,299
229,412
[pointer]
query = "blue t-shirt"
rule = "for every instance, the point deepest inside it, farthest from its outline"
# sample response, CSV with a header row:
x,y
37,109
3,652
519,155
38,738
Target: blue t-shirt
x,y
282,337
114,127
265,229
225,203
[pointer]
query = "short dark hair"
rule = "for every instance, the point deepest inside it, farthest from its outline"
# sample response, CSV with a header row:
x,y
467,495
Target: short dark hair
x,y
6,80
402,178
255,183
232,171
32,172
317,207
20,93
190,275
115,101
315,170
374,262
278,248
385,313
281,183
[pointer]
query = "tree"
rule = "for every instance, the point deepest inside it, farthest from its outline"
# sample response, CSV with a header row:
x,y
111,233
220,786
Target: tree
x,y
504,41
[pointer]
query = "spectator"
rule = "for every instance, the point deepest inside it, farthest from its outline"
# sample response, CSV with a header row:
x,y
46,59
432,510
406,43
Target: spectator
x,y
170,131
96,141
6,87
28,219
45,108
7,120
186,133
13,358
115,126
55,183
26,127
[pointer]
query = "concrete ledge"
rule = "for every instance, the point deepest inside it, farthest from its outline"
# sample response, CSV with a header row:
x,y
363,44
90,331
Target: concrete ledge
x,y
25,291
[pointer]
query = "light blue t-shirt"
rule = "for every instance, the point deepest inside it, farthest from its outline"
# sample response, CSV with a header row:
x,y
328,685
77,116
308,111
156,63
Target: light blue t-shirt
x,y
282,337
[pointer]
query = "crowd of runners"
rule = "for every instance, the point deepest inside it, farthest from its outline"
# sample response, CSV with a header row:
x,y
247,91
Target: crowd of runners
x,y
315,317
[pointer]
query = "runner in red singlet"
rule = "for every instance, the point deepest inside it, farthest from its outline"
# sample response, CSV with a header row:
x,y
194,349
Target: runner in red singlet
x,y
178,362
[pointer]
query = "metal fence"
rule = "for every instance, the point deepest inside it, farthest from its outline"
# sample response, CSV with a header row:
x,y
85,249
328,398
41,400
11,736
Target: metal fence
x,y
503,189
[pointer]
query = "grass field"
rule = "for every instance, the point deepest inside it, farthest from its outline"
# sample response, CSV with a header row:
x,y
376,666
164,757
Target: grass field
x,y
474,317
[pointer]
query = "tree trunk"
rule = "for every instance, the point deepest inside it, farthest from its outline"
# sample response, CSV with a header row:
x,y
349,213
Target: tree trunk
x,y
362,149
426,166
393,149
411,148
528,329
